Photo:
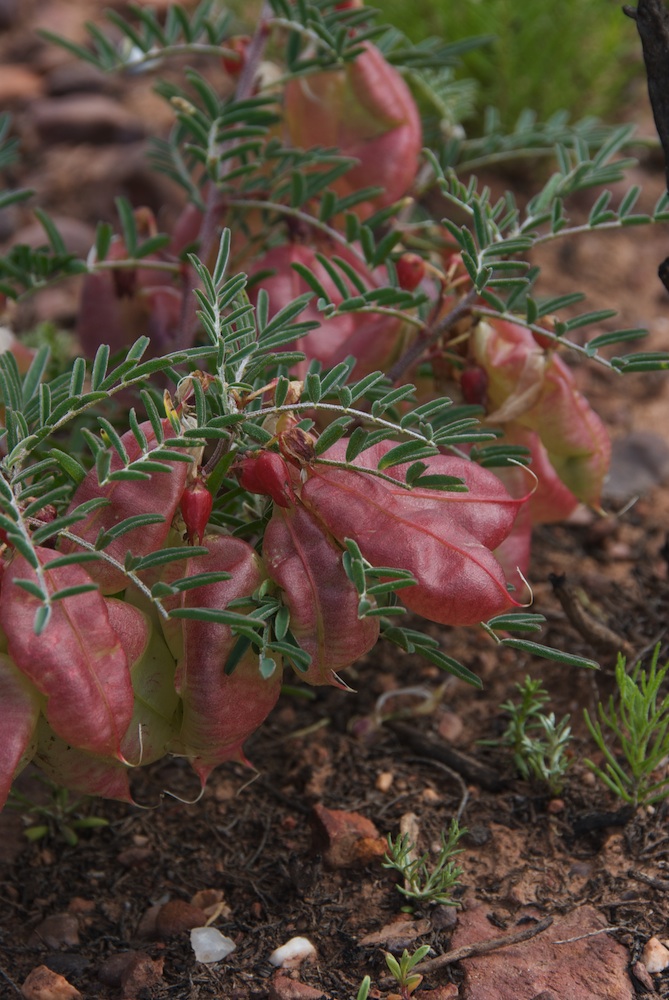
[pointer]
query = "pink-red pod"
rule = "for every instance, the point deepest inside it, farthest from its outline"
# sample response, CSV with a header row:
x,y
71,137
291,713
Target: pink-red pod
x,y
372,339
459,580
306,563
266,473
220,711
487,510
79,771
152,669
118,306
365,110
160,494
19,711
77,662
534,389
550,501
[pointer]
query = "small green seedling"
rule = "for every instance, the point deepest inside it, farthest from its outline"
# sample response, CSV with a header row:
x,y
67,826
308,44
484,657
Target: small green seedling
x,y
638,721
421,881
538,741
401,970
57,819
363,991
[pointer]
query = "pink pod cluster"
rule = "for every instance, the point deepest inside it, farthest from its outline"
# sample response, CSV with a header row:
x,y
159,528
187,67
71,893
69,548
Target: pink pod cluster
x,y
372,339
533,396
366,110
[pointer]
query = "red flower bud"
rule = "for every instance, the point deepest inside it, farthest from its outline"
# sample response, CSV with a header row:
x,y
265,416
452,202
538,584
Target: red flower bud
x,y
240,44
474,385
196,504
410,271
266,473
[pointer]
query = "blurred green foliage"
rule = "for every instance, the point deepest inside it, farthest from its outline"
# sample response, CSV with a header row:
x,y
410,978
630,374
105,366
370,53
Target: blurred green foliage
x,y
578,55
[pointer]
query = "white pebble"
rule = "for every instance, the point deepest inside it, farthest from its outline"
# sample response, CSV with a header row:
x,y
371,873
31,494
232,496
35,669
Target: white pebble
x,y
655,956
292,952
210,945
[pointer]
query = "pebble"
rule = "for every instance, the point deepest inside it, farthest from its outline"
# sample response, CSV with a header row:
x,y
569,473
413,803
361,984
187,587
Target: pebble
x,y
8,10
43,984
209,945
18,85
90,118
292,952
57,931
177,916
655,956
384,781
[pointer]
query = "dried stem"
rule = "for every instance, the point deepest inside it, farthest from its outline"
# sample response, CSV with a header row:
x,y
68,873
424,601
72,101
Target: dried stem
x,y
652,21
483,947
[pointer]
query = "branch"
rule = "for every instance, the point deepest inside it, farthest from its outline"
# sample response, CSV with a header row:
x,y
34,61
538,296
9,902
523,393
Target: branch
x,y
483,947
652,22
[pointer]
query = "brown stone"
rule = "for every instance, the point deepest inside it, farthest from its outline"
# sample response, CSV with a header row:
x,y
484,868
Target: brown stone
x,y
43,984
344,839
284,988
57,931
177,916
91,118
141,975
591,968
18,85
110,972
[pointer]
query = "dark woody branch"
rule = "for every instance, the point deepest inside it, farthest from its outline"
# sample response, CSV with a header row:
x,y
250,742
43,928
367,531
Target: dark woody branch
x,y
652,21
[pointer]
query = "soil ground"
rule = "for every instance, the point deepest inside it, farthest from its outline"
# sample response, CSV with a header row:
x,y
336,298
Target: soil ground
x,y
257,842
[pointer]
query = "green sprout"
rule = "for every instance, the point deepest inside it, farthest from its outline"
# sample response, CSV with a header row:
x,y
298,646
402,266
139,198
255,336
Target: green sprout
x,y
423,882
402,970
538,742
638,720
363,992
58,819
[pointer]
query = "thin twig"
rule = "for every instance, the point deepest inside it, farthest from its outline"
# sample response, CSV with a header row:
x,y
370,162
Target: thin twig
x,y
11,982
582,937
483,947
656,883
421,344
652,21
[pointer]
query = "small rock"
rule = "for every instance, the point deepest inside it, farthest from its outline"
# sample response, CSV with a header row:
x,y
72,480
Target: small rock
x,y
210,945
146,929
397,936
640,972
134,857
451,727
91,118
639,462
80,906
177,916
345,839
655,956
384,781
43,984
57,931
212,903
77,77
18,85
292,953
8,9
110,972
282,988
141,975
